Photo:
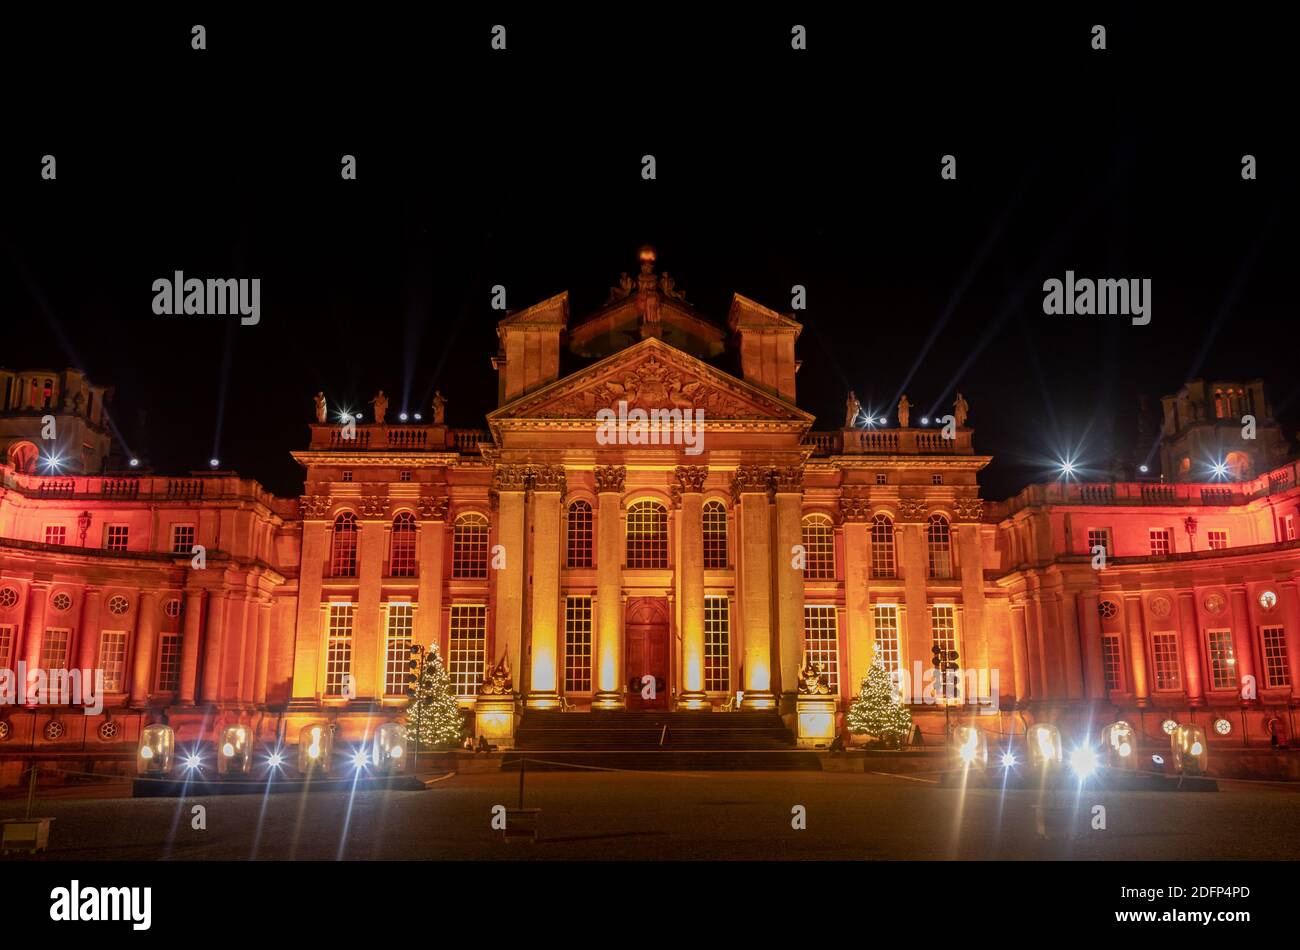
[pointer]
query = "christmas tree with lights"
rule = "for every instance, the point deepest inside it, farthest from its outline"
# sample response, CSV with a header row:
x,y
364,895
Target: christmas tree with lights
x,y
878,710
432,716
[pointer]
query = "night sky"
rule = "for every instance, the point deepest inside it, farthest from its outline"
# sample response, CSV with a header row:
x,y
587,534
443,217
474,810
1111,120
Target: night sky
x,y
774,168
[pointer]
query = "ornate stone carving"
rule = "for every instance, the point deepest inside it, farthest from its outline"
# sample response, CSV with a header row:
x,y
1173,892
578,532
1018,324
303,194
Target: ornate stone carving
x,y
690,478
549,478
434,508
610,478
912,509
969,509
855,507
314,506
811,682
750,479
788,478
374,506
510,478
498,682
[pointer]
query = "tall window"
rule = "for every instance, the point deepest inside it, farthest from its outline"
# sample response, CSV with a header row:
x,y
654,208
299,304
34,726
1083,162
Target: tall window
x,y
1223,661
1099,538
6,646
112,660
580,534
714,516
1218,540
54,649
1112,661
1276,672
887,636
169,662
1164,651
401,623
1162,541
469,548
882,546
943,627
401,546
717,644
56,534
577,645
182,539
938,540
819,548
647,535
338,649
467,648
343,556
821,642
115,537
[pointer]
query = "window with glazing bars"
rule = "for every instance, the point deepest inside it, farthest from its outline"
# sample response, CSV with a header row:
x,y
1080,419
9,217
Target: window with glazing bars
x,y
1276,671
182,539
1223,661
338,649
401,627
938,538
580,534
401,546
467,648
1164,651
577,644
886,616
1162,541
1111,660
6,646
56,534
717,644
1218,540
469,547
1099,538
647,535
821,641
882,547
819,548
343,552
112,659
169,662
115,537
54,649
714,516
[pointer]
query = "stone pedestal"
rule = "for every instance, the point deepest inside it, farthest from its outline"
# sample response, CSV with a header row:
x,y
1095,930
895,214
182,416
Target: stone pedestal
x,y
816,721
494,720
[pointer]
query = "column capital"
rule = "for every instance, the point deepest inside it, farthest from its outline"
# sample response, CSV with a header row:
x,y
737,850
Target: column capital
x,y
690,478
788,479
314,507
548,478
510,478
609,478
750,480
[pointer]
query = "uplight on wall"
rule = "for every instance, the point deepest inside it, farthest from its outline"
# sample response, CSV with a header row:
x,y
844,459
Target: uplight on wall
x,y
388,749
157,747
315,746
1190,750
1119,741
972,746
235,750
1044,741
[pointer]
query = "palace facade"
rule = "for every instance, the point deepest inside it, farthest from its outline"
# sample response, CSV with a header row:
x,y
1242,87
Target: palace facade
x,y
697,554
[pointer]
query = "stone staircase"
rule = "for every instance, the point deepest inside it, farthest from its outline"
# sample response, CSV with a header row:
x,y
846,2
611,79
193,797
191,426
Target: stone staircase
x,y
657,741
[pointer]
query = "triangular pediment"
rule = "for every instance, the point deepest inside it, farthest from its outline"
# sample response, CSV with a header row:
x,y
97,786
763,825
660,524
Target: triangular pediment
x,y
651,375
619,325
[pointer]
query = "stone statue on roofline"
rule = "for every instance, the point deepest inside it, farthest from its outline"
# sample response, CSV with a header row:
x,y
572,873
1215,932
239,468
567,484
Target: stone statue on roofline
x,y
320,407
904,412
439,408
380,402
852,411
959,411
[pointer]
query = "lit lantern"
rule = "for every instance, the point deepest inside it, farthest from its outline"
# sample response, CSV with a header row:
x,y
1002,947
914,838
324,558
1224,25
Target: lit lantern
x,y
972,746
1120,743
157,746
315,744
235,751
388,750
1044,742
1191,752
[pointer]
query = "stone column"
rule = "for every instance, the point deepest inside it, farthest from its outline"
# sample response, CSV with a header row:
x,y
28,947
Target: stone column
x,y
609,587
1243,638
1093,663
38,594
431,542
1190,648
263,651
967,541
367,638
190,647
913,563
549,487
1069,616
1291,616
1137,648
789,578
88,635
749,491
212,646
146,635
859,618
1020,654
315,557
510,484
690,572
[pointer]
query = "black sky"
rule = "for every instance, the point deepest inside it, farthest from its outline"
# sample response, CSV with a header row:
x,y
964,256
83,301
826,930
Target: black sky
x,y
774,168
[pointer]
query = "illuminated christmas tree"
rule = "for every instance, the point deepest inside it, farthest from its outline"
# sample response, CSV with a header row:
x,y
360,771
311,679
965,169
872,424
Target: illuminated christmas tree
x,y
878,710
432,716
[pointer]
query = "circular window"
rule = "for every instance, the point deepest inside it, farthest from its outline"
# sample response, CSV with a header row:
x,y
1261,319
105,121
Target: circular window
x,y
1108,609
5,730
172,608
109,730
54,730
1222,727
118,605
1169,726
8,597
1214,603
61,601
1268,600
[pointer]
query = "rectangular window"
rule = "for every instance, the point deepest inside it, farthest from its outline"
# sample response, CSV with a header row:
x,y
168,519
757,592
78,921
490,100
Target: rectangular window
x,y
54,649
183,538
1288,527
1218,540
717,644
112,660
1276,672
404,476
338,650
467,648
880,478
1223,661
943,634
347,476
401,624
169,662
821,642
1099,538
936,479
1164,651
6,646
1112,661
1162,541
577,644
115,537
887,636
56,534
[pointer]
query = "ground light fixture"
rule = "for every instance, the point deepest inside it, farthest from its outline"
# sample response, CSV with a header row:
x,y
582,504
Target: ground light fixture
x,y
972,746
388,748
235,751
1119,744
1044,741
157,747
1190,750
315,746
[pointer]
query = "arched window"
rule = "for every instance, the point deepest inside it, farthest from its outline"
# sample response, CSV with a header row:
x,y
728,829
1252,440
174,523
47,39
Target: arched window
x,y
819,548
343,557
938,539
401,547
882,546
714,517
647,535
580,534
469,546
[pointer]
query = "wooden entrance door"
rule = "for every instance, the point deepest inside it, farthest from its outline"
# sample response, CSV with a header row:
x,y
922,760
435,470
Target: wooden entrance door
x,y
646,649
